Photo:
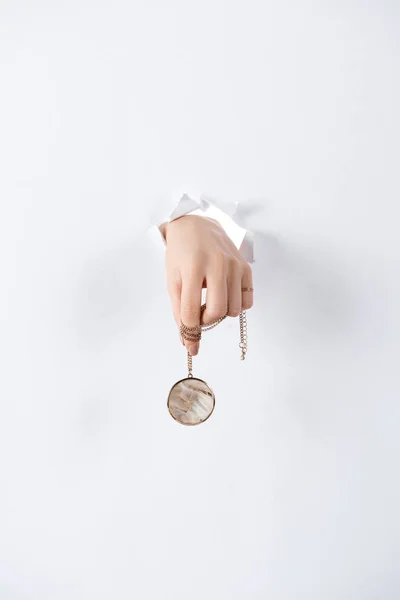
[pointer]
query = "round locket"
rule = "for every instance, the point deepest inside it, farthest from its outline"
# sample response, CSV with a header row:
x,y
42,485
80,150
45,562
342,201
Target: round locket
x,y
191,401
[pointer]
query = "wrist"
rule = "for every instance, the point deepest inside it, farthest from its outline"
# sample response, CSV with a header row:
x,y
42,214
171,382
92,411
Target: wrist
x,y
186,220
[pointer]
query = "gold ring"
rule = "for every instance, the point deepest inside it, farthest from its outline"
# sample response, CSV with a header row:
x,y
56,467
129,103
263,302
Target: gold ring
x,y
247,289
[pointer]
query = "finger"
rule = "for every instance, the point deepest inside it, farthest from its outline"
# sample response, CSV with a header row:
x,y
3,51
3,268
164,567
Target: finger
x,y
247,287
190,308
235,290
175,292
216,299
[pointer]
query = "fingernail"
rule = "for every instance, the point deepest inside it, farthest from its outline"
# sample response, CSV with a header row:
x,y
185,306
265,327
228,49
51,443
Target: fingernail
x,y
193,349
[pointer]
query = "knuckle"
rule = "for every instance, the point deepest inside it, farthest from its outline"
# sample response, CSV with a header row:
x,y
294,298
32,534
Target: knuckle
x,y
216,311
234,263
247,272
190,309
191,267
219,262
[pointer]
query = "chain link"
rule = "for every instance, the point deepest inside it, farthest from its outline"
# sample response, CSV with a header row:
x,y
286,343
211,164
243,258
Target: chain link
x,y
190,365
243,334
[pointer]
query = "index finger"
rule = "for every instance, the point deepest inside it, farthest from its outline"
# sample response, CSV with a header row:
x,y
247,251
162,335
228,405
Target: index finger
x,y
191,308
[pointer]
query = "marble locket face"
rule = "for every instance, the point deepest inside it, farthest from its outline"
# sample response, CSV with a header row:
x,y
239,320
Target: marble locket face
x,y
191,401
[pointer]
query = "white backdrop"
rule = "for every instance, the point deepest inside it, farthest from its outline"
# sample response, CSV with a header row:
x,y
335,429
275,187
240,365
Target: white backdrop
x,y
291,490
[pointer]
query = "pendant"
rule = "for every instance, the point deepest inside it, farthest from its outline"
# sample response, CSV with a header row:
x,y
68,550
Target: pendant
x,y
191,401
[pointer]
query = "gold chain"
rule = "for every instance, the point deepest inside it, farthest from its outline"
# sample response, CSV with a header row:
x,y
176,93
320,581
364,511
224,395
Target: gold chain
x,y
243,334
193,334
190,364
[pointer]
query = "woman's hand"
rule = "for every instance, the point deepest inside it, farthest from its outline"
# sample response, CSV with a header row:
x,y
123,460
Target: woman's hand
x,y
200,255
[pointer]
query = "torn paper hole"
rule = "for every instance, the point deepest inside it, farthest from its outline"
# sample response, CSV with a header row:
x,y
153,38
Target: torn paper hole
x,y
232,229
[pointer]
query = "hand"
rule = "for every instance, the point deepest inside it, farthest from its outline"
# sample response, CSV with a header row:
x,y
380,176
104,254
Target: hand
x,y
201,255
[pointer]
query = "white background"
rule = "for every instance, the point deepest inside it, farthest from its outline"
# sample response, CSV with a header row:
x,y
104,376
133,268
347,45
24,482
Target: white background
x,y
291,490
